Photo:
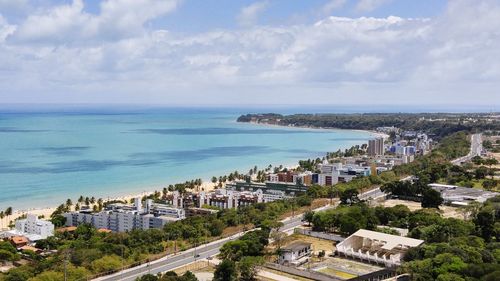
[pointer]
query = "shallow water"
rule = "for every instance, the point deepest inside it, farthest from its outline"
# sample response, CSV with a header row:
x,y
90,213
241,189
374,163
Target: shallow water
x,y
48,157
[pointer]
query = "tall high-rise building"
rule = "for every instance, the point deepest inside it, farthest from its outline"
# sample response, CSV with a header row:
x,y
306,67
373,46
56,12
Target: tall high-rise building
x,y
376,147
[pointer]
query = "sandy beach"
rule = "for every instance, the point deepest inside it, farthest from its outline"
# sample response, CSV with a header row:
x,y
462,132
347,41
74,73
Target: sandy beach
x,y
47,211
207,185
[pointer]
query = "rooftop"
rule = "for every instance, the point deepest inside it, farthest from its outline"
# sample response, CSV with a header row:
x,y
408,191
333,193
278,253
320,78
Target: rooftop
x,y
296,246
391,241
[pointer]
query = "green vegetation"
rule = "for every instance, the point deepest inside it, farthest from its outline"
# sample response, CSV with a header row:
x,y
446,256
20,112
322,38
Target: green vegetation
x,y
89,252
437,124
168,276
241,257
454,249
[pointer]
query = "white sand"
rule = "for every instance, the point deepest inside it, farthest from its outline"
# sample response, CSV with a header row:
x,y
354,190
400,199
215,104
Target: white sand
x,y
47,211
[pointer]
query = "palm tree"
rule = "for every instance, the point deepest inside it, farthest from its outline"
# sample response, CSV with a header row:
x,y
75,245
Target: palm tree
x,y
80,199
2,215
8,213
100,204
69,203
214,180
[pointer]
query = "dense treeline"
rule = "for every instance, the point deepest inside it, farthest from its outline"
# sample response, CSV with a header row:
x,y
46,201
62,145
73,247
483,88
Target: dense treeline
x,y
436,124
240,257
454,249
90,252
436,164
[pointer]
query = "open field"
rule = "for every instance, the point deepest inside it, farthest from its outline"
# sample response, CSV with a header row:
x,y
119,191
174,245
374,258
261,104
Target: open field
x,y
343,268
446,211
317,244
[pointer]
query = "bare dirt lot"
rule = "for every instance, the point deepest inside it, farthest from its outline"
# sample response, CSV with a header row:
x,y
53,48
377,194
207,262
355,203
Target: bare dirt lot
x,y
446,211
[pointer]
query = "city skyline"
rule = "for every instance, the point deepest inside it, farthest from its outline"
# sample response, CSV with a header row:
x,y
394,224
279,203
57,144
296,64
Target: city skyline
x,y
180,53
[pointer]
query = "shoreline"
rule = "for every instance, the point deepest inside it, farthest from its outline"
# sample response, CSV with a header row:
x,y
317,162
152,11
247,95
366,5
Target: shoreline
x,y
46,211
375,133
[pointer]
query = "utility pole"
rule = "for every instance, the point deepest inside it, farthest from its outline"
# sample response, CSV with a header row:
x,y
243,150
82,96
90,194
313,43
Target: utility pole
x,y
66,254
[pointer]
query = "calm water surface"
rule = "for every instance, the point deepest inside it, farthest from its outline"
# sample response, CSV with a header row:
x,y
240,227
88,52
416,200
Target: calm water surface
x,y
48,157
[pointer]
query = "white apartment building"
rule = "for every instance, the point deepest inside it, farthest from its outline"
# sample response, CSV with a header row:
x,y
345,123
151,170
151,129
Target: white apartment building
x,y
34,228
122,218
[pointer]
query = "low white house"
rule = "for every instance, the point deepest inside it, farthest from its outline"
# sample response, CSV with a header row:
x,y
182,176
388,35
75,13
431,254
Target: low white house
x,y
34,228
296,253
377,247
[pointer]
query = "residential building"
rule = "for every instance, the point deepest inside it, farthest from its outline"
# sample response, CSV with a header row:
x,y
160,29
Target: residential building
x,y
288,188
376,147
123,218
377,247
34,228
334,173
296,253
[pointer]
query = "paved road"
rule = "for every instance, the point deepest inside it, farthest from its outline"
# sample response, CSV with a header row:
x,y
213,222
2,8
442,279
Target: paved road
x,y
186,257
171,262
377,193
476,147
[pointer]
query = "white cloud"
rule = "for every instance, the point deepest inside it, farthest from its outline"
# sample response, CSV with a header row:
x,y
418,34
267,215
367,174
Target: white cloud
x,y
332,5
111,56
370,5
5,28
249,14
363,64
69,22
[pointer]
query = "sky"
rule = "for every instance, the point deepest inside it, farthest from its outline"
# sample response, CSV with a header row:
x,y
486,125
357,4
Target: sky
x,y
242,52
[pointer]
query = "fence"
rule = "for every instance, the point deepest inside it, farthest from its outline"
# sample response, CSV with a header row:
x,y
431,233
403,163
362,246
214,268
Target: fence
x,y
302,273
321,235
376,275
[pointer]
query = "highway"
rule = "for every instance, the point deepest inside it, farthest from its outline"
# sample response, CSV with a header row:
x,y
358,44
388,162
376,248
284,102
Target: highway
x,y
377,193
171,262
476,147
186,257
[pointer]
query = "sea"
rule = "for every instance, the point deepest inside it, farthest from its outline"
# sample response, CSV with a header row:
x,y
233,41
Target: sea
x,y
47,156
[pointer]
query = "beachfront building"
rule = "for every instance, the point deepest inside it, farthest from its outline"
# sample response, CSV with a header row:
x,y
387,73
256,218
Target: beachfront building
x,y
34,228
122,217
295,254
223,198
269,188
377,247
303,178
31,228
333,173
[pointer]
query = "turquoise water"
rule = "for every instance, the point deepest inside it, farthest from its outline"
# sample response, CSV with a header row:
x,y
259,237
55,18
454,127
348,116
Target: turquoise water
x,y
48,157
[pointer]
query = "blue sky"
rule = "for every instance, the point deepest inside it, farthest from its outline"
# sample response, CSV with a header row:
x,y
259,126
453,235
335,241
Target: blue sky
x,y
265,52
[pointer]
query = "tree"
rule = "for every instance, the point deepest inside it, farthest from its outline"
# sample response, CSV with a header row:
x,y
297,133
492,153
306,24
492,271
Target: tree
x,y
489,184
69,203
226,271
2,215
349,196
8,212
308,217
431,199
58,220
278,237
107,263
214,181
248,267
485,221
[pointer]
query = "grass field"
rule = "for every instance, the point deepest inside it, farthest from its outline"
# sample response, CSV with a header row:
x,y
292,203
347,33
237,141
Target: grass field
x,y
336,273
